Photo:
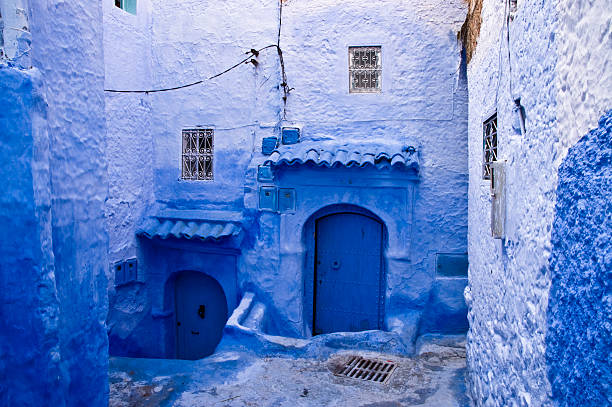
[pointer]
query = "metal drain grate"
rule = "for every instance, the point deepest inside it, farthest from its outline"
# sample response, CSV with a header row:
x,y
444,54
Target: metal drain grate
x,y
372,370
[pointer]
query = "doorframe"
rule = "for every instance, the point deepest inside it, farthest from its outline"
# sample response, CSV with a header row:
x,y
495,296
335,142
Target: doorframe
x,y
309,273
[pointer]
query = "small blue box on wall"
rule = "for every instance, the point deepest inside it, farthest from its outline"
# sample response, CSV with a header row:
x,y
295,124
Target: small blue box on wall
x,y
267,199
268,145
290,135
264,174
286,199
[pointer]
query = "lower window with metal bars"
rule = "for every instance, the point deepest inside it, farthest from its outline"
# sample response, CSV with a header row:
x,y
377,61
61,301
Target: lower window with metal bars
x,y
197,156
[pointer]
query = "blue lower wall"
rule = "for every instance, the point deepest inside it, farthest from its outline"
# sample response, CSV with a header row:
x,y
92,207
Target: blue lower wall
x,y
30,371
579,337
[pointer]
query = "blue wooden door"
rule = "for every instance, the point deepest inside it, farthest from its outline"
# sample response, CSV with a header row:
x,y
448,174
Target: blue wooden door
x,y
348,272
201,314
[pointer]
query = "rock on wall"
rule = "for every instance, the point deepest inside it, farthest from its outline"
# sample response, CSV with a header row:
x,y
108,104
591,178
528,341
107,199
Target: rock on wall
x,y
579,336
67,49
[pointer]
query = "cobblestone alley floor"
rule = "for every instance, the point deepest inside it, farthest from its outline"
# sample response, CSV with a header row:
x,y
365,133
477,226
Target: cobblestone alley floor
x,y
434,378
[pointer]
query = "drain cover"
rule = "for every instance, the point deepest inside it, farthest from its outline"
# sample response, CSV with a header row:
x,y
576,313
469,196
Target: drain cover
x,y
372,370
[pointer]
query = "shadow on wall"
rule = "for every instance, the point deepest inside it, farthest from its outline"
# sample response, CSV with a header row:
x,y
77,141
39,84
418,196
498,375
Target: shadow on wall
x,y
579,337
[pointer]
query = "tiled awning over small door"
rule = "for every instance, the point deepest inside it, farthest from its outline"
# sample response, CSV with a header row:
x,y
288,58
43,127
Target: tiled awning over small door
x,y
164,228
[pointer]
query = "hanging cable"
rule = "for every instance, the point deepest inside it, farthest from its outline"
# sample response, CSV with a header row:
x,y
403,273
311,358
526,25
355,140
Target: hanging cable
x,y
249,59
509,6
286,88
501,40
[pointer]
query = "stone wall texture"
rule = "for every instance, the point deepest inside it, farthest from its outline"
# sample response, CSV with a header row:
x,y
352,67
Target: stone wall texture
x,y
67,38
31,372
579,336
547,65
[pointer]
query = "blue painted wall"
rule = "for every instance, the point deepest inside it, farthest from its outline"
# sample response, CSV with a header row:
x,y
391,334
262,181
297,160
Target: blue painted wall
x,y
579,336
30,373
76,129
53,296
423,104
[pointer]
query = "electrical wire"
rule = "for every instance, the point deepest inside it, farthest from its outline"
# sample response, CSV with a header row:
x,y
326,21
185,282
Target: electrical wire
x,y
250,53
508,45
501,36
286,88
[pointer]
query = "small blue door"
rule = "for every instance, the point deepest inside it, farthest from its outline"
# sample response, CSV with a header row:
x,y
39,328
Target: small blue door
x,y
348,273
201,314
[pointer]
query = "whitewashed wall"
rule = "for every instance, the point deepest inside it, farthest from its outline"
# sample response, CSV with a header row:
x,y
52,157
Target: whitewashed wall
x,y
560,57
127,63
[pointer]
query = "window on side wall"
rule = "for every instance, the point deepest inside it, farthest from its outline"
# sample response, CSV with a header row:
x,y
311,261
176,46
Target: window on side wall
x,y
365,70
197,155
489,145
127,5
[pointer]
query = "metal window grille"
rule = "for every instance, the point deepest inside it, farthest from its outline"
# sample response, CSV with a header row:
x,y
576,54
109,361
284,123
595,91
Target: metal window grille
x,y
197,157
365,70
489,145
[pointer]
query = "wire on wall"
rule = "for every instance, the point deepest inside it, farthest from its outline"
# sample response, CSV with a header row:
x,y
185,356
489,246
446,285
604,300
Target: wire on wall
x,y
501,40
249,59
286,88
251,55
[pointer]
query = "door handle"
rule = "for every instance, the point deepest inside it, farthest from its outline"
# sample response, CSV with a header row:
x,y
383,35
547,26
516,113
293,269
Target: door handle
x,y
195,332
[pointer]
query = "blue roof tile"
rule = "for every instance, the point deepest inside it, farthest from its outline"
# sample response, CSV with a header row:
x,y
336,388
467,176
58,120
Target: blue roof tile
x,y
343,155
163,228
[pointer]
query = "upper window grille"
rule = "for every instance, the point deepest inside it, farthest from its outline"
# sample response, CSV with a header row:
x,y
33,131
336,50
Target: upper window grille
x,y
489,145
365,70
197,157
127,5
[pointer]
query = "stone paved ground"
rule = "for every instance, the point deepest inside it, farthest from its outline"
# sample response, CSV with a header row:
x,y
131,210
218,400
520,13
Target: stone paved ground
x,y
434,378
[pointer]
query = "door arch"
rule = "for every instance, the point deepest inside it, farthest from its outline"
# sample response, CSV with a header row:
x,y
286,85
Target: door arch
x,y
200,314
348,278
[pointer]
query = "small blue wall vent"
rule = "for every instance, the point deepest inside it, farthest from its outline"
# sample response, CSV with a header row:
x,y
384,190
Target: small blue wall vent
x,y
267,199
290,135
268,145
119,273
125,271
286,199
131,270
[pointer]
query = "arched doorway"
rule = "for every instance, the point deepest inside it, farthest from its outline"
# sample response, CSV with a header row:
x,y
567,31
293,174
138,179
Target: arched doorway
x,y
200,312
348,286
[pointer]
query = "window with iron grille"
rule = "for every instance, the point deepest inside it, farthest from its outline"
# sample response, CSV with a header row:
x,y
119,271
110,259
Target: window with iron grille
x,y
197,157
365,70
489,145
